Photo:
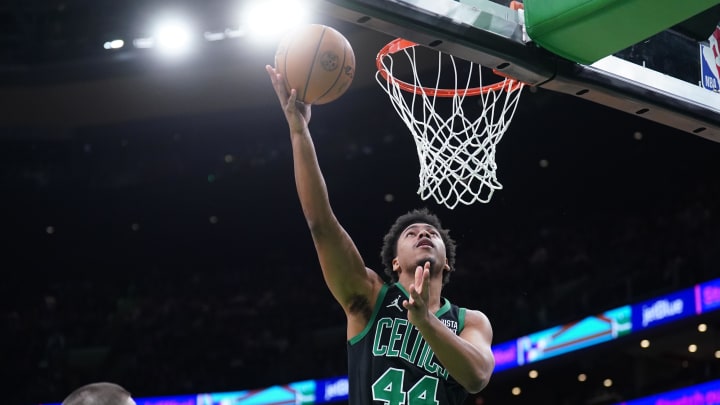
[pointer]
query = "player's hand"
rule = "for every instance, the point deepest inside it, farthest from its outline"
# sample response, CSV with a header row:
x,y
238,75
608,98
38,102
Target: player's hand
x,y
297,113
418,312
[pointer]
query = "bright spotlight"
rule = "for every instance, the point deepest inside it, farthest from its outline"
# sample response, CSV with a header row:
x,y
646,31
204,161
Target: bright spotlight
x,y
173,36
143,43
269,19
214,36
114,44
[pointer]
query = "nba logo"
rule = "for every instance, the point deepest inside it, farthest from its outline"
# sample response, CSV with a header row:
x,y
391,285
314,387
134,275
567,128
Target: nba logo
x,y
710,62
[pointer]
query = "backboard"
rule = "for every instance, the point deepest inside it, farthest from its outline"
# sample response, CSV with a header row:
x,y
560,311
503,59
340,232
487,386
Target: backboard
x,y
670,76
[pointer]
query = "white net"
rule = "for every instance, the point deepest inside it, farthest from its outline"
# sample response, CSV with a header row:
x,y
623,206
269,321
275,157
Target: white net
x,y
456,135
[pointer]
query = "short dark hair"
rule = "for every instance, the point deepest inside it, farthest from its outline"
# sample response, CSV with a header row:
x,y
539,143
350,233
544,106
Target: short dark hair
x,y
417,216
102,393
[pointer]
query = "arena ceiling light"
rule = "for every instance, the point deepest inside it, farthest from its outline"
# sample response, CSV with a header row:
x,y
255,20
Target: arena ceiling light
x,y
173,35
269,19
114,44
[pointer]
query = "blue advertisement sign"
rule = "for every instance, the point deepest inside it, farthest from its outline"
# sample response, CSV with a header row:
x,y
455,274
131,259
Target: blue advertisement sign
x,y
664,309
701,394
576,335
707,296
174,400
331,390
297,393
506,355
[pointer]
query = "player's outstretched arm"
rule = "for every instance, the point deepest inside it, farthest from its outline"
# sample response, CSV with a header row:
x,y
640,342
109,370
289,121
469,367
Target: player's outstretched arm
x,y
343,268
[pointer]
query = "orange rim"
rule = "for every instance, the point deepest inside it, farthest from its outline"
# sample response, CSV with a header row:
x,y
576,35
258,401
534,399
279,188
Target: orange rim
x,y
400,44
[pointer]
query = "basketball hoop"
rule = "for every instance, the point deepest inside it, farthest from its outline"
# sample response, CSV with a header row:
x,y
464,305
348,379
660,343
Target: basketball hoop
x,y
456,152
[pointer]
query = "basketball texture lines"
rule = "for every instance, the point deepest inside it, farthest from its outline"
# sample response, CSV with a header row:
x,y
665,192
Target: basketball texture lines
x,y
318,62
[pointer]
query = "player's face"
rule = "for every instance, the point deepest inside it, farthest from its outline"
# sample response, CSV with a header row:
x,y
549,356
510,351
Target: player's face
x,y
417,244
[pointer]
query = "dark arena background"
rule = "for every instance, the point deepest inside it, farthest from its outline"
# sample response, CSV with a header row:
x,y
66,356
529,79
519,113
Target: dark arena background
x,y
152,236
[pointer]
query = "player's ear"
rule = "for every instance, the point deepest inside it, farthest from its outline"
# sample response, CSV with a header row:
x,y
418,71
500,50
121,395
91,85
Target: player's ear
x,y
395,264
447,266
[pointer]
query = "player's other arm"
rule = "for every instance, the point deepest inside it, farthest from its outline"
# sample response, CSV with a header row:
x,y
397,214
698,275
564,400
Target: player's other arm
x,y
467,356
343,269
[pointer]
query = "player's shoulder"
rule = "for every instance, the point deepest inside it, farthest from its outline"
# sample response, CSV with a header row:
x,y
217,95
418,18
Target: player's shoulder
x,y
477,319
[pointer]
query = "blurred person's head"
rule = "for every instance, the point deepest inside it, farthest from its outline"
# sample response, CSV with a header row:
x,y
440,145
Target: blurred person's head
x,y
102,393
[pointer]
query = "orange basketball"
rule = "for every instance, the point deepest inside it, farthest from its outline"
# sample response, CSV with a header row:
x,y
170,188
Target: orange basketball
x,y
317,61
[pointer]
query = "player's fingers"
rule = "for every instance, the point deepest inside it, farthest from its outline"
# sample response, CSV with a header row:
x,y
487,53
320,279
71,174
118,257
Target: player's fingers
x,y
413,293
426,284
281,92
418,276
308,112
278,83
291,100
274,75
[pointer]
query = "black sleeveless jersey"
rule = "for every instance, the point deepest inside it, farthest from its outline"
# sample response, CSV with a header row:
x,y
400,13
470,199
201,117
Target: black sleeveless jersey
x,y
390,363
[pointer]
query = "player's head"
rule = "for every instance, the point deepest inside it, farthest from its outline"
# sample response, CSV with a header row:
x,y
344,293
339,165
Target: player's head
x,y
419,216
102,393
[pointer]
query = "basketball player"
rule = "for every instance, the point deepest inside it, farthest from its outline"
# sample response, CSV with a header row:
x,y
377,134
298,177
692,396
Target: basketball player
x,y
99,394
406,344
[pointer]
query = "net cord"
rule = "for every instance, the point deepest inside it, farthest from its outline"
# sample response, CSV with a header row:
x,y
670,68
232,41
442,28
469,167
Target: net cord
x,y
456,152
